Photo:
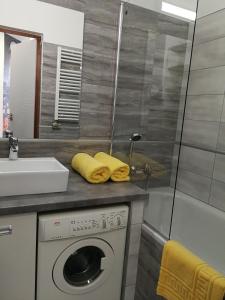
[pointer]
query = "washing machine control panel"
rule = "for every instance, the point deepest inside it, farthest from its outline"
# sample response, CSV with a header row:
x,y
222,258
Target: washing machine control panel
x,y
81,223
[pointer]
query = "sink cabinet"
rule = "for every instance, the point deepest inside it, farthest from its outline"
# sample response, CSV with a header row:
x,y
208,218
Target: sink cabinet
x,y
17,256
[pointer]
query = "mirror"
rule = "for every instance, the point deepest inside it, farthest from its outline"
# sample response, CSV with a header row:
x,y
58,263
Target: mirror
x,y
40,69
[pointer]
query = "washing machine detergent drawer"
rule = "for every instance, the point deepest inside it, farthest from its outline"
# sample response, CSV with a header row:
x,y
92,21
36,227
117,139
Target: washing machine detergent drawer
x,y
81,254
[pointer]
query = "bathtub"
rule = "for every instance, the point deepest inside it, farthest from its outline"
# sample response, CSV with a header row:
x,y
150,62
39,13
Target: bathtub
x,y
158,209
196,225
201,228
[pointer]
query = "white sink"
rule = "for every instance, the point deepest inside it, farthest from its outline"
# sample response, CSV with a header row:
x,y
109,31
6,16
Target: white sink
x,y
32,176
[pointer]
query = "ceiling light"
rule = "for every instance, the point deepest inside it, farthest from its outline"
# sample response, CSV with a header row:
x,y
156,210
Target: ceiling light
x,y
178,11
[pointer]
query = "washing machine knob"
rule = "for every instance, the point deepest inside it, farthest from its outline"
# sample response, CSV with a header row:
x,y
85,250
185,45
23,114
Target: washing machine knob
x,y
117,221
104,224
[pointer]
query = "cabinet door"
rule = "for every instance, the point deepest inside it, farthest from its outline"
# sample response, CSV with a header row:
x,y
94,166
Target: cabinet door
x,y
17,257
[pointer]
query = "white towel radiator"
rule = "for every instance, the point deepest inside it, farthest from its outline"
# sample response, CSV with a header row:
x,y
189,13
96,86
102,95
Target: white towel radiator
x,y
68,85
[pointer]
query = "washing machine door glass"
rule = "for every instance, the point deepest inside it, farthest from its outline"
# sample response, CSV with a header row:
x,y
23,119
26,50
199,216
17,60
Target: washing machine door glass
x,y
83,266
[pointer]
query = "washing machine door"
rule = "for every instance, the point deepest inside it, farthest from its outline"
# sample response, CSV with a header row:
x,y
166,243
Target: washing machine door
x,y
83,266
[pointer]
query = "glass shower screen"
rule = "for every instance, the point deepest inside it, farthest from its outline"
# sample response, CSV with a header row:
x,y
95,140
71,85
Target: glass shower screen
x,y
151,85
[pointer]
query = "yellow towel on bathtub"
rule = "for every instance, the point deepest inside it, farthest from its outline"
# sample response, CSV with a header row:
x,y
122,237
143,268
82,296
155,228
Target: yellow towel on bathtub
x,y
119,170
92,170
184,276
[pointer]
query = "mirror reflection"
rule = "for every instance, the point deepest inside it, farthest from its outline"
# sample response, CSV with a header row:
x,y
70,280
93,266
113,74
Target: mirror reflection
x,y
40,69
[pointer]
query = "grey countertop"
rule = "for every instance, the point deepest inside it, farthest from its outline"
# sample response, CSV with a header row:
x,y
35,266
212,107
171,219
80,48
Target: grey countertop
x,y
80,194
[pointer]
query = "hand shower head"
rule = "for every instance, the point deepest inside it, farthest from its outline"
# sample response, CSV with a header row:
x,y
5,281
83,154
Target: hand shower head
x,y
135,137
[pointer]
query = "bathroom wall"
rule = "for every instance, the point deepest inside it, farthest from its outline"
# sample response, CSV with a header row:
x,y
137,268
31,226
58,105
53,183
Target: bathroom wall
x,y
201,177
202,159
48,94
152,62
199,202
149,265
100,44
60,149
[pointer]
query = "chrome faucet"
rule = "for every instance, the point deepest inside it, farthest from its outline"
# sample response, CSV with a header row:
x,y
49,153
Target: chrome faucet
x,y
13,148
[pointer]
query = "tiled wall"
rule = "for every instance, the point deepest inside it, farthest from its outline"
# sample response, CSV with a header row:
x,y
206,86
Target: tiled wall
x,y
100,44
202,160
132,250
48,93
152,61
149,265
60,149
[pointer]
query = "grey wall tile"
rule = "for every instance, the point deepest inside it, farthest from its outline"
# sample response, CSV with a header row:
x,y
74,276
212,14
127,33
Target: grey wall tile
x,y
219,168
221,139
98,34
137,211
96,110
134,239
100,44
194,185
99,54
161,128
217,198
97,70
223,113
208,55
149,92
128,112
202,171
140,18
65,132
202,134
173,26
207,7
207,82
63,150
129,293
197,161
149,267
132,266
48,90
211,27
204,107
106,11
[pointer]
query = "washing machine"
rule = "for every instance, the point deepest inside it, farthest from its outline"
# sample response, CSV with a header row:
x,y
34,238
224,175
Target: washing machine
x,y
81,254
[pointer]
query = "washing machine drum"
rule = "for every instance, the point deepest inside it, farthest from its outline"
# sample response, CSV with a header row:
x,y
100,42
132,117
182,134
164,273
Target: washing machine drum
x,y
83,266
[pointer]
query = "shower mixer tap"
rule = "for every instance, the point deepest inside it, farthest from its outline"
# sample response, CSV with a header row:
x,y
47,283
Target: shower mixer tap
x,y
147,170
135,137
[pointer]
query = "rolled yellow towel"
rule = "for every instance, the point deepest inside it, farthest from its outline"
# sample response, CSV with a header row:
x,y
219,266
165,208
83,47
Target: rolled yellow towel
x,y
118,169
140,160
91,169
